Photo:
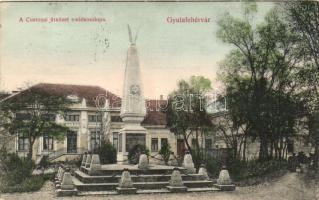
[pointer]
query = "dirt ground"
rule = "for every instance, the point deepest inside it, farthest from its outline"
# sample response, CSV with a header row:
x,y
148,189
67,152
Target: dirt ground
x,y
288,187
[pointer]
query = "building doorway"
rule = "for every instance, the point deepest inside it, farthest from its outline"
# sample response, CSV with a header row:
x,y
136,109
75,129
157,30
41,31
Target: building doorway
x,y
72,142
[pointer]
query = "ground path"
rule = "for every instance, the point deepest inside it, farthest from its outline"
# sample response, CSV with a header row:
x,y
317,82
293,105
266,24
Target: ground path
x,y
288,187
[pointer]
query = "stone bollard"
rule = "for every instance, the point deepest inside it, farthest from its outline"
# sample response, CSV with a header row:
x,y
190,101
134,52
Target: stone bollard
x,y
126,183
61,174
172,160
67,182
88,161
188,163
202,171
143,162
176,182
159,160
67,185
59,178
95,163
84,159
224,182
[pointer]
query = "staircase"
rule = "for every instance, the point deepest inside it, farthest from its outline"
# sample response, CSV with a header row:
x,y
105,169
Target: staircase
x,y
153,180
64,151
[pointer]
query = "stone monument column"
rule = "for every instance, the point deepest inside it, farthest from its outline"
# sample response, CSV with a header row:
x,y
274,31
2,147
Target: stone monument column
x,y
133,109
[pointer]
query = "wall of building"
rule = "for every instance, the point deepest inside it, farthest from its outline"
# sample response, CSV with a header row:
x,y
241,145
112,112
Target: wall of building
x,y
161,133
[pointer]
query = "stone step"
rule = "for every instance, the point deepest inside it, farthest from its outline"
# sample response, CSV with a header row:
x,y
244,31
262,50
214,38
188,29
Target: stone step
x,y
113,172
139,185
84,178
154,191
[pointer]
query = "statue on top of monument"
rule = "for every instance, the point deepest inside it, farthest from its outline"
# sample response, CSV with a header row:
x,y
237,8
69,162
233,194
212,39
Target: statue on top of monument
x,y
133,42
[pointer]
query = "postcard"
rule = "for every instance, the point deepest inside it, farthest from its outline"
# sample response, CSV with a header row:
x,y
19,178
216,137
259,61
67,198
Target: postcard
x,y
164,99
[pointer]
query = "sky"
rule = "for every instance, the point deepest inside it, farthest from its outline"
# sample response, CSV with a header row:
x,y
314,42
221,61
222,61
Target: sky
x,y
92,53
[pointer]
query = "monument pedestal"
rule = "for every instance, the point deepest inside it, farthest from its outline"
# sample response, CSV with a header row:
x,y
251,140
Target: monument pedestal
x,y
132,134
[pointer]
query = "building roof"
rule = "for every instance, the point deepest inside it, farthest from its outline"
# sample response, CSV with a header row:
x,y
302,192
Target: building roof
x,y
155,108
90,93
4,95
155,112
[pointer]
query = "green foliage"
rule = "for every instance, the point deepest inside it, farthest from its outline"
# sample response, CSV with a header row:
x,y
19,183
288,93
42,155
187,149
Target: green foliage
x,y
302,18
135,152
198,157
240,170
44,162
30,184
213,166
186,111
107,153
259,78
165,152
15,169
32,112
16,173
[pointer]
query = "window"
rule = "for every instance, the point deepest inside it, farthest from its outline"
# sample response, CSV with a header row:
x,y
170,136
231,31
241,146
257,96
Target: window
x,y
95,118
72,118
116,119
120,142
290,146
23,142
47,143
208,143
154,145
164,141
116,140
95,138
72,138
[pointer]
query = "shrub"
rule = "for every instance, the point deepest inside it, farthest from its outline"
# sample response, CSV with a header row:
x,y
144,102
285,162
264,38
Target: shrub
x,y
16,174
135,152
30,184
213,167
107,153
16,169
165,152
240,170
44,162
198,158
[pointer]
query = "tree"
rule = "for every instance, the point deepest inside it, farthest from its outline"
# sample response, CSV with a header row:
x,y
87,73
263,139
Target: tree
x,y
233,134
303,18
32,113
258,74
186,112
107,152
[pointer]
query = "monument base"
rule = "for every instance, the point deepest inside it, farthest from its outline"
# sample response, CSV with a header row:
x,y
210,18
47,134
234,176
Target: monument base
x,y
65,193
126,190
177,189
230,187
